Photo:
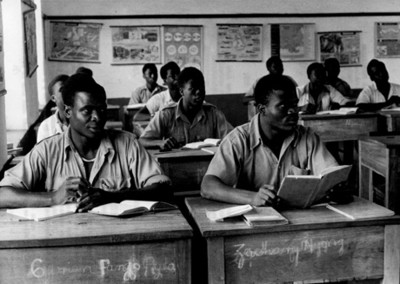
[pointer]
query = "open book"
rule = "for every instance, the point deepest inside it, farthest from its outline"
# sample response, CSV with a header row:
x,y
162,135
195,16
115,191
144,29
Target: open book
x,y
233,211
302,191
341,111
132,207
209,142
264,216
135,106
43,213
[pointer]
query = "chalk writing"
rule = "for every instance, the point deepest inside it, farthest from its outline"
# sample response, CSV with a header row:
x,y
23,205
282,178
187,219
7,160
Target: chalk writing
x,y
310,246
148,268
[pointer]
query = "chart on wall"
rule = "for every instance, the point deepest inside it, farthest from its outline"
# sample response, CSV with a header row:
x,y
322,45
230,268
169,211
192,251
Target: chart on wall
x,y
293,42
73,41
136,44
2,84
183,44
344,46
30,42
239,42
387,43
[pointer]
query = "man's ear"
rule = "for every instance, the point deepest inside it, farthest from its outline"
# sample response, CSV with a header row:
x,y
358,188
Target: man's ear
x,y
67,111
53,98
261,108
181,91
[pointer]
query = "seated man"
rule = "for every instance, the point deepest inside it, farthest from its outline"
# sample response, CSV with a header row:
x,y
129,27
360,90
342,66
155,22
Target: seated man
x,y
381,93
253,159
187,121
144,93
56,123
86,162
316,95
332,67
169,73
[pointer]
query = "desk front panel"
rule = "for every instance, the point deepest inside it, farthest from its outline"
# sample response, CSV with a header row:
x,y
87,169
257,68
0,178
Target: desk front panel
x,y
330,254
342,128
159,262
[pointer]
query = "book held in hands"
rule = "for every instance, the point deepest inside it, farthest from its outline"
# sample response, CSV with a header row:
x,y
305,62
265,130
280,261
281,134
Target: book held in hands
x,y
302,191
132,207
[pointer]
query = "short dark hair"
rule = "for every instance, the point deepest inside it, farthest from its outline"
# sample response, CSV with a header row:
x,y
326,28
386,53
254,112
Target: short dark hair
x,y
272,60
80,82
169,66
190,73
59,78
84,70
374,63
332,64
314,66
269,83
150,66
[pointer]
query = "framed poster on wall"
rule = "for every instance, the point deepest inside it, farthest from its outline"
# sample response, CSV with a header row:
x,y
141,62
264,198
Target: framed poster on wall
x,y
387,39
343,45
184,45
136,44
293,42
75,41
2,84
239,42
30,42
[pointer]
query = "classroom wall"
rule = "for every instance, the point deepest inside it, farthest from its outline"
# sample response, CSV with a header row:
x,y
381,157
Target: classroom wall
x,y
221,77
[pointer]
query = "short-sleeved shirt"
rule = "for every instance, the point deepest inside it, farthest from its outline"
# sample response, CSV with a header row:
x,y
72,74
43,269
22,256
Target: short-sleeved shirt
x,y
50,126
244,161
142,94
158,101
209,122
326,97
371,94
120,162
342,87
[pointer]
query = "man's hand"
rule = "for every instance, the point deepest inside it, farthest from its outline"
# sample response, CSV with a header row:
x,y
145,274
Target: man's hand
x,y
265,196
394,100
71,189
92,198
169,143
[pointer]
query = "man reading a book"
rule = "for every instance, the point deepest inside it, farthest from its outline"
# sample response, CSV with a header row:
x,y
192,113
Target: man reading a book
x,y
85,163
189,120
253,159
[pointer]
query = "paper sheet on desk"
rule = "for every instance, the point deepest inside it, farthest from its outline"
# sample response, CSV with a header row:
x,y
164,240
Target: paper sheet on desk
x,y
234,211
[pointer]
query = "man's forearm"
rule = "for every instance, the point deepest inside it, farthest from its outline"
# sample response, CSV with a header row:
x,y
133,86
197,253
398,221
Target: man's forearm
x,y
13,198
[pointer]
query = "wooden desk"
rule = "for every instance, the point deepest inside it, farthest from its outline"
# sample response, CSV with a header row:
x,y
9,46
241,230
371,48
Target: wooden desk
x,y
380,155
318,244
185,168
349,127
89,248
391,121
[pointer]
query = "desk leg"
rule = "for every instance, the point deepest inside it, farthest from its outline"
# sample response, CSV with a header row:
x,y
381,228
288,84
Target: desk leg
x,y
392,255
392,193
365,182
216,260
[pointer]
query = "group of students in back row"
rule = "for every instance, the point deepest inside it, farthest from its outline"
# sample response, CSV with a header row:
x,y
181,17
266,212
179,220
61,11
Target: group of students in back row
x,y
90,165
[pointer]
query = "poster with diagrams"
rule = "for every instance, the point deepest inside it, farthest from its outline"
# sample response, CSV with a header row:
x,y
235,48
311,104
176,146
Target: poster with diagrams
x,y
239,42
183,44
30,42
387,42
136,44
293,42
75,41
343,45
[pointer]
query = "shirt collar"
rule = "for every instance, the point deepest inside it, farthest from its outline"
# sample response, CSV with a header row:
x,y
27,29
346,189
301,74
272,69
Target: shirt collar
x,y
255,136
179,114
106,148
